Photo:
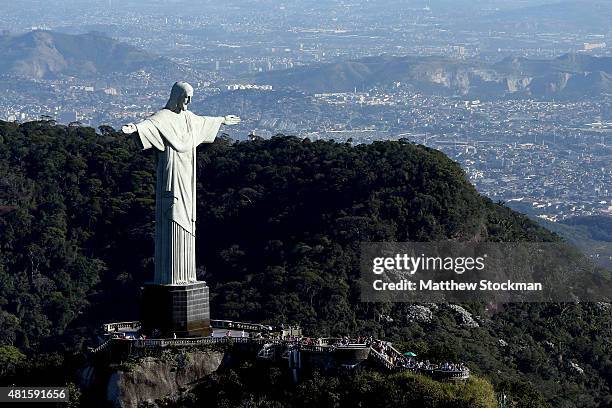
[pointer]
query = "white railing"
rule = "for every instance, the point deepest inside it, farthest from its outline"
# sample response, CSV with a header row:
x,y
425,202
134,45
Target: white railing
x,y
178,342
455,375
193,341
102,346
381,358
389,364
231,325
111,327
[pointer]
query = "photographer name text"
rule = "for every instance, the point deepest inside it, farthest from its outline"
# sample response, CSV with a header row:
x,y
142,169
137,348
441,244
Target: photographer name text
x,y
451,285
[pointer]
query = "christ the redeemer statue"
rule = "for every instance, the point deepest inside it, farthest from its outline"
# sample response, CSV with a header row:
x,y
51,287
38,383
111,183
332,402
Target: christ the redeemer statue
x,y
176,132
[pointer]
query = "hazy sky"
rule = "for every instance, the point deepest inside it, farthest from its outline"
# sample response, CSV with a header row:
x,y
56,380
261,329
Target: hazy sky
x,y
169,4
581,15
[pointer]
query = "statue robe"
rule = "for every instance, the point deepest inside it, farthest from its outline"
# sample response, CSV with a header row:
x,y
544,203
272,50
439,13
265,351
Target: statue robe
x,y
176,136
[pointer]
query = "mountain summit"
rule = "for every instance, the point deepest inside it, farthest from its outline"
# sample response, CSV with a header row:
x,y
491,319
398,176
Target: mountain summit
x,y
46,55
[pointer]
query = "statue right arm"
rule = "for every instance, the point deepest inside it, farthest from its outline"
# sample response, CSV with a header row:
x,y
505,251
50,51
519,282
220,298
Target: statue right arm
x,y
230,120
129,129
148,134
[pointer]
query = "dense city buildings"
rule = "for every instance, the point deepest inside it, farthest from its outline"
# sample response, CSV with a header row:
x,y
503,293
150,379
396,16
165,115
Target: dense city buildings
x,y
543,154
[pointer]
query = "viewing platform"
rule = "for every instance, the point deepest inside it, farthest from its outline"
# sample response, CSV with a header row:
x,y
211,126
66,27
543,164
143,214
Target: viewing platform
x,y
280,345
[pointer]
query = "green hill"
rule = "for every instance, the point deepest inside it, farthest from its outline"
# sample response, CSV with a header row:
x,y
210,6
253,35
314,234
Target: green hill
x,y
279,225
592,234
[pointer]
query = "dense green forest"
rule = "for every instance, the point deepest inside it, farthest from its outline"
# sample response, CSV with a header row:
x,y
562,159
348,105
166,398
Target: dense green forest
x,y
269,387
279,226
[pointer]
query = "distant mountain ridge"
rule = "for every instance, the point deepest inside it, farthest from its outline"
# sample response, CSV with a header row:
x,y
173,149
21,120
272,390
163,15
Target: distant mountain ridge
x,y
571,15
46,54
571,75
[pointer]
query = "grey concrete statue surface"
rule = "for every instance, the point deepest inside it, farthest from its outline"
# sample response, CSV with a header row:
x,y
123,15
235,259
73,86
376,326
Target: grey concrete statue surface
x,y
176,132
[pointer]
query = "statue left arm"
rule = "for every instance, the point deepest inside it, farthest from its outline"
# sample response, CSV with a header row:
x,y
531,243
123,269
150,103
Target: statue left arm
x,y
209,126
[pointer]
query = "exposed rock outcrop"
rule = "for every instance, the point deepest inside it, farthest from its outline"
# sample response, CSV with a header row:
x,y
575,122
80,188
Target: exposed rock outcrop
x,y
464,317
154,378
419,314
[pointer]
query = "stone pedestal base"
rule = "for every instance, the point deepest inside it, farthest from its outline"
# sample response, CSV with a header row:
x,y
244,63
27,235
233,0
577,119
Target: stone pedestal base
x,y
182,309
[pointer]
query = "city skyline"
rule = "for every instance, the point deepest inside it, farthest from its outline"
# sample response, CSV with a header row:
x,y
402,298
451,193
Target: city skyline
x,y
238,59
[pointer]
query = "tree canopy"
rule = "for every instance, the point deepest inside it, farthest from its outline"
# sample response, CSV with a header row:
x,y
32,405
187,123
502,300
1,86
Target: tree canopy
x,y
279,226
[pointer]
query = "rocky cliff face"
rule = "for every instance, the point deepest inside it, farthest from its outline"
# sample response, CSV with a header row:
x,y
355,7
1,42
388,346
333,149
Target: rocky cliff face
x,y
571,75
153,378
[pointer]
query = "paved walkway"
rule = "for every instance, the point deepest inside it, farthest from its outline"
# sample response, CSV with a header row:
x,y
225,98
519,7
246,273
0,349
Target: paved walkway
x,y
381,352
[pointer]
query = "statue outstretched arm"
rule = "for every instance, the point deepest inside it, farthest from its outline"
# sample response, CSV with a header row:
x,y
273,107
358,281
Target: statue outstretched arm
x,y
129,129
148,135
231,120
207,127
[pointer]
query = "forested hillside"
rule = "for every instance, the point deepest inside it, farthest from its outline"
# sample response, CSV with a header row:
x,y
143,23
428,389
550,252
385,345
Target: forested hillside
x,y
279,226
592,234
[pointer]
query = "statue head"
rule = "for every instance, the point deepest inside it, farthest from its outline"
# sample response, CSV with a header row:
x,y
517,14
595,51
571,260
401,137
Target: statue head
x,y
180,96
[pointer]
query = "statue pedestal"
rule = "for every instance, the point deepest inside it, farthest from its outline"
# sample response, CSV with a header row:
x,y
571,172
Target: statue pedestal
x,y
176,309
